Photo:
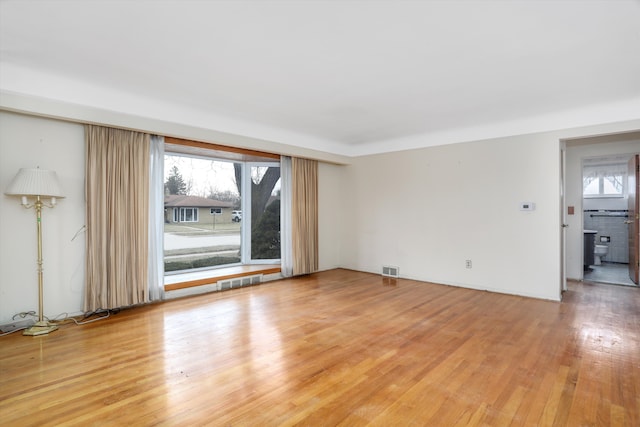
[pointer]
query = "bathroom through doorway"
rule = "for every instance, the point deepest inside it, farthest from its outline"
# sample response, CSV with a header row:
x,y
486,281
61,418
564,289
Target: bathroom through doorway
x,y
610,216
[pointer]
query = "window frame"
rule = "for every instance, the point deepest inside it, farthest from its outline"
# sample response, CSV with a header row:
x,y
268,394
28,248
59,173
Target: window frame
x,y
245,244
194,215
188,148
602,173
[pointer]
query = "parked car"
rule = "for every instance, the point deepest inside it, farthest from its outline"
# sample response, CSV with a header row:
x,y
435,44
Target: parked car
x,y
236,216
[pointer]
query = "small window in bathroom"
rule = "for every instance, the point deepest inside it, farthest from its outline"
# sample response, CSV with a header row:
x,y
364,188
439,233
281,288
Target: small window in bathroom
x,y
604,180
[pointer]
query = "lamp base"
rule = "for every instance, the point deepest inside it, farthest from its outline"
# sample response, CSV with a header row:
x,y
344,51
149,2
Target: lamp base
x,y
40,328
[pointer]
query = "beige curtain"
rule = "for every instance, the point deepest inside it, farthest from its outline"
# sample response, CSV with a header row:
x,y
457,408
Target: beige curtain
x,y
117,197
304,215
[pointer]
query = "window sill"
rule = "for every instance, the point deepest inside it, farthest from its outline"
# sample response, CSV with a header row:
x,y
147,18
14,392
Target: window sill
x,y
188,280
604,196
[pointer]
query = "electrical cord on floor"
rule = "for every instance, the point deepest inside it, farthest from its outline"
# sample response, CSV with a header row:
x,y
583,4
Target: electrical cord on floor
x,y
22,315
102,314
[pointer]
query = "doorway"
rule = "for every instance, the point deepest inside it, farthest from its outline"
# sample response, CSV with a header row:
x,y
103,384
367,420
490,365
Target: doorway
x,y
597,198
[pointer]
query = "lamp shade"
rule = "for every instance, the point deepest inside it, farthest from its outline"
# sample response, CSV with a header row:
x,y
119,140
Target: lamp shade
x,y
35,182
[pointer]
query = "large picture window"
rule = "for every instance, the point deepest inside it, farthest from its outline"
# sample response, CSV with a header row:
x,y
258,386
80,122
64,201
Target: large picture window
x,y
219,212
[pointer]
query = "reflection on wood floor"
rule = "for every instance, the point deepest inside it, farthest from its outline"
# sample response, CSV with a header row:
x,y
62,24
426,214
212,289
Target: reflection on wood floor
x,y
338,347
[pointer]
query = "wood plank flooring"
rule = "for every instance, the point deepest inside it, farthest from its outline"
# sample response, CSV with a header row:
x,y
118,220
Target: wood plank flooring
x,y
337,348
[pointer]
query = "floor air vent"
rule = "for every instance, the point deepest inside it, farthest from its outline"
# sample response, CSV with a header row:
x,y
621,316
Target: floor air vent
x,y
239,282
389,271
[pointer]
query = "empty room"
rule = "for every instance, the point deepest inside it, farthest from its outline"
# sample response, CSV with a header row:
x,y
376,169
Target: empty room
x,y
319,213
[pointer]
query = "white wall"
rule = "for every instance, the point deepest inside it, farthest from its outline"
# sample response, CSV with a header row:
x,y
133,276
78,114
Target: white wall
x,y
332,216
625,143
27,142
429,210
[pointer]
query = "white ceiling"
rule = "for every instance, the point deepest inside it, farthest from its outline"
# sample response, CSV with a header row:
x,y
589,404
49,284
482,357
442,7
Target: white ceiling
x,y
347,77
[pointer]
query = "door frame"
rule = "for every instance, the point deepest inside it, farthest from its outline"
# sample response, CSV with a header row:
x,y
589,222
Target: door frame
x,y
568,237
633,182
563,217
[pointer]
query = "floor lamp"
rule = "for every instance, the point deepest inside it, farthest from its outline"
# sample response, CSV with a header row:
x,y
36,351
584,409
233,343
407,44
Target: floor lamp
x,y
37,184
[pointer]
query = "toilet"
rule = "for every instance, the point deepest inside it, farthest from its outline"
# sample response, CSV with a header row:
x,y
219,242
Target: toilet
x,y
599,252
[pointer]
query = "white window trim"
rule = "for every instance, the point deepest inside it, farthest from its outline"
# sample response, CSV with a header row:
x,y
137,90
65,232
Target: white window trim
x,y
246,213
194,216
600,172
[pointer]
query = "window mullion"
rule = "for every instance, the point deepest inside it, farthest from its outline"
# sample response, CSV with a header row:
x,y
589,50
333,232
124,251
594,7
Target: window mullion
x,y
246,214
601,185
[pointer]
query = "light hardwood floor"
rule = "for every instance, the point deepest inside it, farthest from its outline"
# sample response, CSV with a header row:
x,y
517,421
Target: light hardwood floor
x,y
337,348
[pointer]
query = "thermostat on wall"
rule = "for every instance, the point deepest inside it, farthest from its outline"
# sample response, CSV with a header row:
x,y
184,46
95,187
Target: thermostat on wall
x,y
527,206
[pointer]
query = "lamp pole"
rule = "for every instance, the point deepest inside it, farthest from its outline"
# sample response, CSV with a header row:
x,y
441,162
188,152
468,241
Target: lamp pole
x,y
42,326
